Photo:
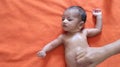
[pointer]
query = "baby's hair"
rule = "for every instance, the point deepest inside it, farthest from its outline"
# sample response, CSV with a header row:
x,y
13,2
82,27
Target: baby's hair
x,y
81,11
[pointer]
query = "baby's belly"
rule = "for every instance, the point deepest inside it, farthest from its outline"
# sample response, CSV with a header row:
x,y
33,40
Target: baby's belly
x,y
70,56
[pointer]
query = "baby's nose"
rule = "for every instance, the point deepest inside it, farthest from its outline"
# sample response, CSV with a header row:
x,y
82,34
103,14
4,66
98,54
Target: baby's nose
x,y
65,21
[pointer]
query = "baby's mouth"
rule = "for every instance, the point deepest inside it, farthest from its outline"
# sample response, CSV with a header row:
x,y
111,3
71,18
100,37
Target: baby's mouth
x,y
64,25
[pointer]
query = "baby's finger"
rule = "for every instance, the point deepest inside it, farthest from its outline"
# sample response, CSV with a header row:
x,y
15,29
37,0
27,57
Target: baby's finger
x,y
38,54
97,14
41,54
97,10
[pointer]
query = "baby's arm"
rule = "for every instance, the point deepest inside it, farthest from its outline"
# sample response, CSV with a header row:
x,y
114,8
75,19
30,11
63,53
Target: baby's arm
x,y
98,27
50,46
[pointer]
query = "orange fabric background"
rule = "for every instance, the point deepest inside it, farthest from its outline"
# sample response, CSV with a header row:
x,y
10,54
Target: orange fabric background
x,y
27,25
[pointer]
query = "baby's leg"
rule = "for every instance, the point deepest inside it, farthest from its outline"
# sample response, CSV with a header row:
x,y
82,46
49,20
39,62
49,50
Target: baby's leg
x,y
97,55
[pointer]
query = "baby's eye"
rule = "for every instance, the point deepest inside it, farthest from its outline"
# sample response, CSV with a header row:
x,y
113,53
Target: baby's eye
x,y
63,19
70,19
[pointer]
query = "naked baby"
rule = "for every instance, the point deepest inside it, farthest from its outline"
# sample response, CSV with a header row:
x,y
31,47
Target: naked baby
x,y
77,50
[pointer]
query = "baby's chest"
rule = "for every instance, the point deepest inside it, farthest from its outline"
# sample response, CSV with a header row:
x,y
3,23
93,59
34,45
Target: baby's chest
x,y
74,39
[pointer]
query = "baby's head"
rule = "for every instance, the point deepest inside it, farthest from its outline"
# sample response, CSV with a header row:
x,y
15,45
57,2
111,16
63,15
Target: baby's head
x,y
74,19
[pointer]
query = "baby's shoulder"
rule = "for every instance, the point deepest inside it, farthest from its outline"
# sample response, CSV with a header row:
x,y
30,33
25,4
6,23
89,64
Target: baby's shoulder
x,y
84,31
62,36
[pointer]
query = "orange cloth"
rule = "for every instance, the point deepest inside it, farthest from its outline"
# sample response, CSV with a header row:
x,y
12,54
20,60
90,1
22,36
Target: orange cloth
x,y
27,25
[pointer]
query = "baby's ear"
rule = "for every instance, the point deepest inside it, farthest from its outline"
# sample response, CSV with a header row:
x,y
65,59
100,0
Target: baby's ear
x,y
81,24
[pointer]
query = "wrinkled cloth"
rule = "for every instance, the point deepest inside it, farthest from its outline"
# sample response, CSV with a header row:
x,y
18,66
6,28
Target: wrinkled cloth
x,y
26,26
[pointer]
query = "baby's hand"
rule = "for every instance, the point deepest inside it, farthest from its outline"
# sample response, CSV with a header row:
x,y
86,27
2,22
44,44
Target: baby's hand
x,y
41,54
97,12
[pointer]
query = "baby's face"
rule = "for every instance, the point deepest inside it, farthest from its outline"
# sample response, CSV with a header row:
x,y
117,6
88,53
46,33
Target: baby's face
x,y
70,20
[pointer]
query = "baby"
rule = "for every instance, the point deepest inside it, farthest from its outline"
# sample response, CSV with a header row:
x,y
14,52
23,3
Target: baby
x,y
77,50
